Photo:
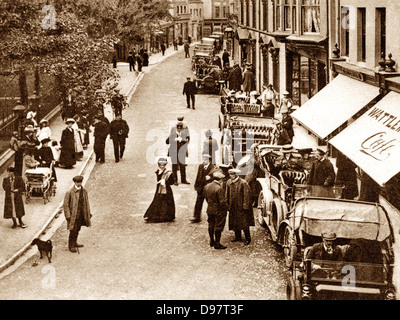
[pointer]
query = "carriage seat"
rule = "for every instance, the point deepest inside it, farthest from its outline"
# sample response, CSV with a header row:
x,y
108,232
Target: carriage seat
x,y
289,177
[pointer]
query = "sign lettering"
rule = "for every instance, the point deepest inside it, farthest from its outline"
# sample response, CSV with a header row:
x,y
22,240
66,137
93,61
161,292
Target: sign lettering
x,y
378,146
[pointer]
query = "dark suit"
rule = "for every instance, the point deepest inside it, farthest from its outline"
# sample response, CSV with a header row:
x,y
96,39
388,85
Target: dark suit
x,y
322,174
178,151
217,207
119,130
100,136
318,252
199,185
189,88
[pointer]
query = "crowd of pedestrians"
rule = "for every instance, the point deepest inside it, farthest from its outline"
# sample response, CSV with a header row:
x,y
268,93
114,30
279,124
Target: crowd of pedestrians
x,y
35,147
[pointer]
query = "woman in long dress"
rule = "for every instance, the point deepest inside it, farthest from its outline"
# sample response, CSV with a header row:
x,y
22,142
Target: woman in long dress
x,y
162,208
67,143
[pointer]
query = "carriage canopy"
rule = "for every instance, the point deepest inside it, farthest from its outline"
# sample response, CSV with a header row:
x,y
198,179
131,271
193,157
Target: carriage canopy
x,y
348,219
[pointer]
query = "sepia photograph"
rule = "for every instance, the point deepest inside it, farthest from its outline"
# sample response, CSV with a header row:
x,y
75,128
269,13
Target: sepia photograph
x,y
199,157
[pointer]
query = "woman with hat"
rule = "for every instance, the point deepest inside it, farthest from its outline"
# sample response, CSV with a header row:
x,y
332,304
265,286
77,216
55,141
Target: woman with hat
x,y
14,209
286,103
46,158
162,208
269,101
29,161
67,143
44,131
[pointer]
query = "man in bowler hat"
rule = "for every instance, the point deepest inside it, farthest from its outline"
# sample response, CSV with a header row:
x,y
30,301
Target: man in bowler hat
x,y
76,211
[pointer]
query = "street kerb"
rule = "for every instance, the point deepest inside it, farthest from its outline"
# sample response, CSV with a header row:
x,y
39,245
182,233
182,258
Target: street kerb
x,y
47,225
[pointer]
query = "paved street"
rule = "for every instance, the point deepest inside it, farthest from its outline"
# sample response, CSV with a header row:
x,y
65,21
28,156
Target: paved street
x,y
125,258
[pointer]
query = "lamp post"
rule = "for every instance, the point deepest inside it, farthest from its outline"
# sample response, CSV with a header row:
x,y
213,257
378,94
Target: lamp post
x,y
19,113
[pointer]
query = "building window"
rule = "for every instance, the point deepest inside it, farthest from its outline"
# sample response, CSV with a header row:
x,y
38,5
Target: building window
x,y
277,11
345,31
242,11
254,24
311,19
216,12
177,9
265,15
200,13
287,15
381,30
294,18
247,12
362,37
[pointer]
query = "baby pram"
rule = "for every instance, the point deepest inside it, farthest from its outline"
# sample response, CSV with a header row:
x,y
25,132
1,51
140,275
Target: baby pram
x,y
40,183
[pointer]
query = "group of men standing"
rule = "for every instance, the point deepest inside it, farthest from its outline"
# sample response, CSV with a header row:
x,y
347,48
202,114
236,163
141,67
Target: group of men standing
x,y
221,186
224,192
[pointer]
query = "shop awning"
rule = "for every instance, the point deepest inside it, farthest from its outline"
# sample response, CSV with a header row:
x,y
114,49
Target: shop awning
x,y
242,34
372,142
336,103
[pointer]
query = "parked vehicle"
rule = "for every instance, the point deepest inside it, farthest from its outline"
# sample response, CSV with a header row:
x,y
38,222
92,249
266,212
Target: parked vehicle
x,y
242,126
365,237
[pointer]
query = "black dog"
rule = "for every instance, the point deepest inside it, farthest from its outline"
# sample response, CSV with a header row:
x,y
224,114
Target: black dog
x,y
45,247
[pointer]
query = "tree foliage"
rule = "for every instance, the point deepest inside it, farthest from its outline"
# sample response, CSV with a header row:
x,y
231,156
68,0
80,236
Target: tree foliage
x,y
77,48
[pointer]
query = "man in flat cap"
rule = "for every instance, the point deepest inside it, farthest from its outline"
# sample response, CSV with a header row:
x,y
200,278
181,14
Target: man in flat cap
x,y
325,250
76,211
214,193
238,196
189,88
204,177
322,172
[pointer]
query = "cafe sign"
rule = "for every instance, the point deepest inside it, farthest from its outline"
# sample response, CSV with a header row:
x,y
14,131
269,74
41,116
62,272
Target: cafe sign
x,y
372,142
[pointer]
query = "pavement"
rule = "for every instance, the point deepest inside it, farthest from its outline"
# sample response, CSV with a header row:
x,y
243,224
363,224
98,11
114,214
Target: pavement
x,y
40,217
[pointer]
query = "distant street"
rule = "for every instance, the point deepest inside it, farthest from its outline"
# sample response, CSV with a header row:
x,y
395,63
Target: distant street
x,y
125,258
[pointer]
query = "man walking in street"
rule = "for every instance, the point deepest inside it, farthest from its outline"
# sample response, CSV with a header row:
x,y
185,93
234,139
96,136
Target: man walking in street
x,y
186,47
101,131
119,130
76,211
131,61
202,179
239,205
163,48
189,88
178,141
217,209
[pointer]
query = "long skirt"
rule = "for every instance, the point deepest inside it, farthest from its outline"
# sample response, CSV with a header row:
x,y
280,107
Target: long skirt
x,y
161,209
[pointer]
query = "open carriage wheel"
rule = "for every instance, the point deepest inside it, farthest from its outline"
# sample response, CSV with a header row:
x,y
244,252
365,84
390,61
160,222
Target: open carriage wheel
x,y
289,247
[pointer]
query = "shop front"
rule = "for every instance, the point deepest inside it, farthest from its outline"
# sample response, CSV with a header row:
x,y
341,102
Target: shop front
x,y
306,69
